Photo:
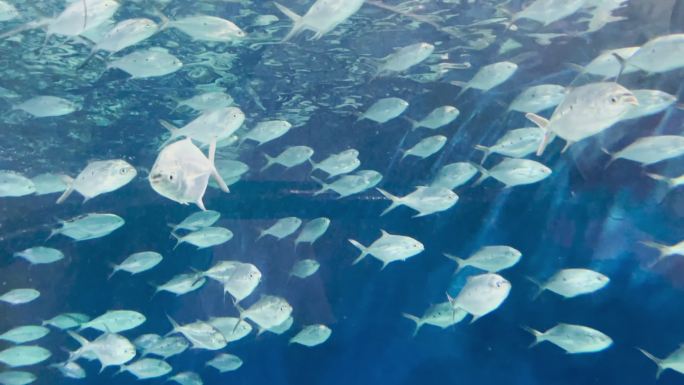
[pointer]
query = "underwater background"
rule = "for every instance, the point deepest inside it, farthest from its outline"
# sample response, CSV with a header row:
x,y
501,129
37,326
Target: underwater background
x,y
583,215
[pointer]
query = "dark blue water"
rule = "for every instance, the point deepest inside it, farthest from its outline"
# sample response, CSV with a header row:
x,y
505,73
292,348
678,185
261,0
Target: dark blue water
x,y
582,216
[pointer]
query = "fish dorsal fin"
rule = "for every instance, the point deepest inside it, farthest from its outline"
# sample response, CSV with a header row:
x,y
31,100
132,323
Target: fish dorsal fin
x,y
385,233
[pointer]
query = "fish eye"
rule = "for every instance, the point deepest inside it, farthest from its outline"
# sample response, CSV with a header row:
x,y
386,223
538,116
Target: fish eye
x,y
170,177
122,171
613,100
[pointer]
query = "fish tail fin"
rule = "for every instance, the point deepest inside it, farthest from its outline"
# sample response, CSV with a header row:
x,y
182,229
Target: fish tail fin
x,y
396,201
664,250
542,123
324,186
115,269
175,132
298,25
661,178
459,262
463,85
364,251
214,171
483,171
82,341
486,150
269,162
656,360
414,123
314,165
162,17
69,181
178,238
174,325
540,287
539,336
417,320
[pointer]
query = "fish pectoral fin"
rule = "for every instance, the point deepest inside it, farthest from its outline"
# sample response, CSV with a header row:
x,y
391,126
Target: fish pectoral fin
x,y
200,204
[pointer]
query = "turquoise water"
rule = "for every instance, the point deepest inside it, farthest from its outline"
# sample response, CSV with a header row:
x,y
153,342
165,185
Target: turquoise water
x,y
588,213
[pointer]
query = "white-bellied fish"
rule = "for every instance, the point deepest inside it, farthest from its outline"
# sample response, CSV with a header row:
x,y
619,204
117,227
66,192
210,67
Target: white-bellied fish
x,y
115,321
424,200
110,349
404,58
651,102
548,11
211,126
267,131
147,63
284,227
197,221
515,172
437,118
89,226
19,296
570,283
312,335
26,333
207,101
290,157
40,255
389,248
205,237
491,259
225,362
182,284
312,230
517,143
665,250
66,321
200,334
674,361
70,369
573,339
454,175
322,17
304,268
145,368
267,312
187,378
49,183
426,147
441,315
658,55
232,328
138,262
337,164
207,28
651,150
385,109
98,178
481,295
24,355
13,184
538,98
167,347
347,185
47,106
488,77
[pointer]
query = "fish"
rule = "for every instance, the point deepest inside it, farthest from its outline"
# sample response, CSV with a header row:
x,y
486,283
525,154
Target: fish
x,y
650,150
351,184
389,248
231,171
197,221
211,126
664,250
515,172
89,226
402,59
232,328
491,259
14,184
651,102
147,63
304,268
167,347
45,106
23,334
283,327
671,182
337,164
207,101
98,178
70,370
290,157
571,283
385,109
67,320
145,368
454,175
424,200
538,98
48,183
109,348
145,341
674,361
242,281
608,65
207,28
181,173
187,378
586,111
658,55
573,339
137,263
124,34
481,295
182,284
40,255
267,131
19,296
283,228
312,335
516,143
16,377
312,230
23,355
437,118
488,77
205,237
426,147
7,11
322,17
225,362
548,11
115,321
269,311
200,334
441,315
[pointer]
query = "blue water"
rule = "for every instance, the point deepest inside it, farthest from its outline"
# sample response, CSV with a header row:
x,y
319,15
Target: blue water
x,y
581,216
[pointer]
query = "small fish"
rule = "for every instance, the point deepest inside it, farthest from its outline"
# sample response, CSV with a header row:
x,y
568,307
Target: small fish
x,y
145,341
181,173
211,126
16,377
23,334
70,369
225,362
608,65
481,295
304,268
115,321
124,34
312,335
137,263
207,28
384,110
426,147
312,230
49,183
98,178
321,18
351,184
89,226
23,355
283,228
674,361
651,150
197,221
548,11
491,259
182,284
538,98
454,175
47,106
665,250
267,131
283,327
147,63
187,378
13,184
231,171
242,281
661,54
389,248
424,200
573,282
404,58
200,334
437,118
207,101
515,172
40,255
441,315
292,156
66,321
232,328
651,102
109,348
146,368
573,339
167,347
337,164
267,312
488,77
19,296
517,143
205,237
